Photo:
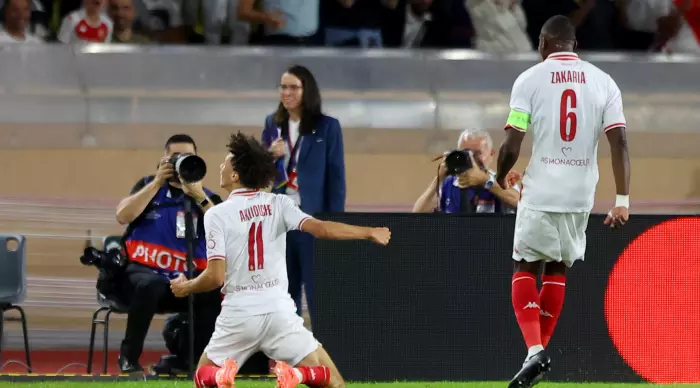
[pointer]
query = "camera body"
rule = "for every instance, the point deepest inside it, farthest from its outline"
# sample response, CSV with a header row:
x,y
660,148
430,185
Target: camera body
x,y
188,167
458,161
111,260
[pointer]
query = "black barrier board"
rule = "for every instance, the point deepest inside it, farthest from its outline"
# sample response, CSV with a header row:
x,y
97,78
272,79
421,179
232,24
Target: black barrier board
x,y
436,305
33,377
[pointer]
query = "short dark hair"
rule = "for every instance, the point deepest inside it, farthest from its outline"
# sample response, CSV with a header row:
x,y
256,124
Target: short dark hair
x,y
310,102
253,163
559,28
180,138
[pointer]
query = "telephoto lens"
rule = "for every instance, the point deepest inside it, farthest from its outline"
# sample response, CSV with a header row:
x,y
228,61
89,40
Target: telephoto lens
x,y
189,167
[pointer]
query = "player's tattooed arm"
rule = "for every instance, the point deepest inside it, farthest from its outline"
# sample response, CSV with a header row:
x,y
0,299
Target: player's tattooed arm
x,y
508,154
620,159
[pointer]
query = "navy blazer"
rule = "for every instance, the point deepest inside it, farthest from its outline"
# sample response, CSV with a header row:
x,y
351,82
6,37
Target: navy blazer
x,y
320,167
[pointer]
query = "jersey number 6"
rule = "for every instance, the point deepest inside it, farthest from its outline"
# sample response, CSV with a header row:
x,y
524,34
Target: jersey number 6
x,y
255,247
565,115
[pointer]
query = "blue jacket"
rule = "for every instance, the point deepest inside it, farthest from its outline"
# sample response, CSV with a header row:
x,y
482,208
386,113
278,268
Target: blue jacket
x,y
153,240
320,168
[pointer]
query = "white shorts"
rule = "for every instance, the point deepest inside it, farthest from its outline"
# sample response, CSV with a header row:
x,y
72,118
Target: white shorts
x,y
546,236
280,335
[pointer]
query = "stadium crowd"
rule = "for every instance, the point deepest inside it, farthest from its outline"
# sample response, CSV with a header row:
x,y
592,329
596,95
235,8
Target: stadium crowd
x,y
488,25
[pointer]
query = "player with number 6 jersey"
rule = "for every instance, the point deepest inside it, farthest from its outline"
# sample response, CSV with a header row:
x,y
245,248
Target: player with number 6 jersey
x,y
246,246
566,104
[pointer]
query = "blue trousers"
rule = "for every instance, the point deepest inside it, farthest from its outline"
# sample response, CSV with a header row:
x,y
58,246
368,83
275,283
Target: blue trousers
x,y
300,269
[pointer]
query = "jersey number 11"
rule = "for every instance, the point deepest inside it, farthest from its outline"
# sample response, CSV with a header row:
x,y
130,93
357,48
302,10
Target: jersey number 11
x,y
565,115
255,247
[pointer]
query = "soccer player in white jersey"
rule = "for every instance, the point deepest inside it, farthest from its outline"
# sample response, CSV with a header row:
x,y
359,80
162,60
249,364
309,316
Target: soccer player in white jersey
x,y
566,104
246,246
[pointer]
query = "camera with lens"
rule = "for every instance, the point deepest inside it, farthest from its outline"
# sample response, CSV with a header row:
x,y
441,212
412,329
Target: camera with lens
x,y
189,168
110,260
458,161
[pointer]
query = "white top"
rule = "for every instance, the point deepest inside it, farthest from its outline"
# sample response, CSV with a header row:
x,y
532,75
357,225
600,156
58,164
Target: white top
x,y
248,230
28,38
570,103
294,131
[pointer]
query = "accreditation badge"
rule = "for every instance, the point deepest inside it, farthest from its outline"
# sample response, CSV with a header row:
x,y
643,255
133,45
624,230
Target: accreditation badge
x,y
180,224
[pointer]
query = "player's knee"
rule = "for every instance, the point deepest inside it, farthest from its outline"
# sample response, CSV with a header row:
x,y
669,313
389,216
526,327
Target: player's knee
x,y
555,268
336,382
312,359
204,360
525,266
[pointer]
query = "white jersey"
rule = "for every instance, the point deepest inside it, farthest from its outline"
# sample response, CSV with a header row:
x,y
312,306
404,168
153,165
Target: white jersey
x,y
248,230
566,103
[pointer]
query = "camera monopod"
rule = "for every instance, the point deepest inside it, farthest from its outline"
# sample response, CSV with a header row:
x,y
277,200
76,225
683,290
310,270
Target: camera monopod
x,y
189,243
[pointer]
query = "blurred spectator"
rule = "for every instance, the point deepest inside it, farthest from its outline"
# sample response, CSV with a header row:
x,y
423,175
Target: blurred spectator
x,y
354,23
161,19
393,24
285,22
222,13
654,25
15,23
87,24
122,14
596,20
680,28
308,147
500,25
446,23
640,21
38,20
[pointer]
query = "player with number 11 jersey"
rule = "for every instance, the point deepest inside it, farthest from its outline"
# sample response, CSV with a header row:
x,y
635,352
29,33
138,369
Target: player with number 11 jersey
x,y
246,244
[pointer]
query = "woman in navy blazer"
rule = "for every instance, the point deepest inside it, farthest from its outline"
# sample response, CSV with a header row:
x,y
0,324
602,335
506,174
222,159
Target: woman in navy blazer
x,y
308,146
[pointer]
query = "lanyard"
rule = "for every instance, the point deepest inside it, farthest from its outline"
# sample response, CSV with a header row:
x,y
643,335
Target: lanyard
x,y
292,154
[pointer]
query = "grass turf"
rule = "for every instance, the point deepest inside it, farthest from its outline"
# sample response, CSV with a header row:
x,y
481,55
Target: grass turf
x,y
270,384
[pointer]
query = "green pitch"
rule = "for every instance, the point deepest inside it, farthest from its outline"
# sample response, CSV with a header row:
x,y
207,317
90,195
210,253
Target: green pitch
x,y
271,384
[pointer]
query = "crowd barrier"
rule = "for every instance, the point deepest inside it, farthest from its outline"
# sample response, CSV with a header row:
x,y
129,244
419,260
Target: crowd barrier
x,y
98,85
435,304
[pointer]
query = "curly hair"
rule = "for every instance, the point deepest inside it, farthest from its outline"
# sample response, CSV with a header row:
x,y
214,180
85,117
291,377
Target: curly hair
x,y
253,163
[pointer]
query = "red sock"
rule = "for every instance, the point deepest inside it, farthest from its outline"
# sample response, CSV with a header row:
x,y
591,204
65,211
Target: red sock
x,y
526,304
552,299
319,376
205,376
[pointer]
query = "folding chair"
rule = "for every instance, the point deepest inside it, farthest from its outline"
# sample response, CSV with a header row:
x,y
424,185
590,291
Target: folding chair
x,y
13,285
107,306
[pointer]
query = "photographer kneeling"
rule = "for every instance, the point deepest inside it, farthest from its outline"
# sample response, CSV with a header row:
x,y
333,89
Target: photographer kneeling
x,y
464,184
156,250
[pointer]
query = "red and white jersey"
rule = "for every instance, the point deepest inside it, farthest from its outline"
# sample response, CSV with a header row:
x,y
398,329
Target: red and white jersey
x,y
566,103
75,28
248,230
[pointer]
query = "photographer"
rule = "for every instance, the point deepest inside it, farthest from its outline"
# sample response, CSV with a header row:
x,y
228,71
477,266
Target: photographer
x,y
471,191
156,250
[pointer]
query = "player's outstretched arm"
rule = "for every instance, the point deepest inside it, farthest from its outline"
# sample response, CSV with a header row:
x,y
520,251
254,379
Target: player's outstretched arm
x,y
621,171
329,230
